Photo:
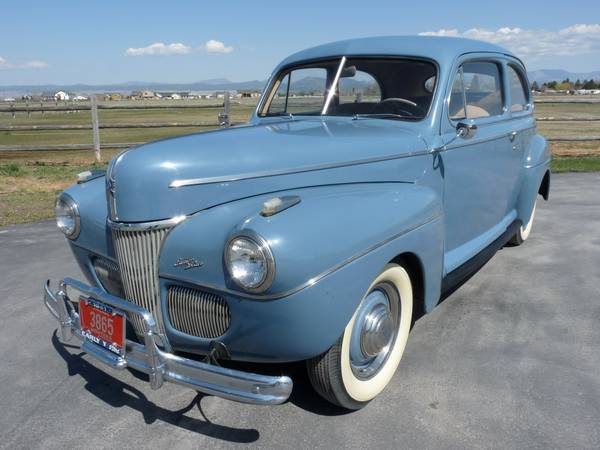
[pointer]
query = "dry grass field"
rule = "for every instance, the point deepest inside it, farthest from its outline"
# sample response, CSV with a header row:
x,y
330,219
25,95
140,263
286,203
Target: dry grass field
x,y
29,181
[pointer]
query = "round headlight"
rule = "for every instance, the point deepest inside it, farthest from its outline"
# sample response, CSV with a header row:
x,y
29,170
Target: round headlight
x,y
67,216
250,262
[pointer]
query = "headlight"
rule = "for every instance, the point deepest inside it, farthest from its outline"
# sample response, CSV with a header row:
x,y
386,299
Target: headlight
x,y
67,216
250,262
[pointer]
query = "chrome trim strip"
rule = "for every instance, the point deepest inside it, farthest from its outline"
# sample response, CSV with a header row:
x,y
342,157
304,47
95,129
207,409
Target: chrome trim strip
x,y
145,226
474,141
274,173
156,360
308,283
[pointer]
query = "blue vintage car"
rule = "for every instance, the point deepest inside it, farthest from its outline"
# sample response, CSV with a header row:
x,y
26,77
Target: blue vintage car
x,y
374,178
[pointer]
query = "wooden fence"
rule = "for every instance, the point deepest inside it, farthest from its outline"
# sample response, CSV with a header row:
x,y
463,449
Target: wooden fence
x,y
222,120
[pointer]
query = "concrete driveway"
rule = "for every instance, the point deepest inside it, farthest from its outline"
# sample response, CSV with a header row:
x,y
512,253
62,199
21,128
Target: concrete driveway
x,y
510,360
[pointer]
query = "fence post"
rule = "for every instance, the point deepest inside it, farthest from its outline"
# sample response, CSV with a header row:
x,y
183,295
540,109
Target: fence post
x,y
95,129
224,116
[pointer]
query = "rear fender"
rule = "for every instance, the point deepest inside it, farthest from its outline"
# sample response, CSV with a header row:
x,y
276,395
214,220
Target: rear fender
x,y
536,179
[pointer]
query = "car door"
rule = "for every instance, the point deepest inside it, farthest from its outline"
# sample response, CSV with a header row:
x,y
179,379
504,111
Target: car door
x,y
481,169
522,123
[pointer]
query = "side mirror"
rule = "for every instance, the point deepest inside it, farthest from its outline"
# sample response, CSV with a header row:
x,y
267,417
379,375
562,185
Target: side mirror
x,y
465,130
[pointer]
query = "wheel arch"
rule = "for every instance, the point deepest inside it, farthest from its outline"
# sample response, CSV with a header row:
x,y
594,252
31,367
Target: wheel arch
x,y
414,266
544,189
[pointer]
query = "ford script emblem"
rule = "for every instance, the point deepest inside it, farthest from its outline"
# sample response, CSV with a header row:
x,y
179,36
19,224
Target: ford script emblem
x,y
188,263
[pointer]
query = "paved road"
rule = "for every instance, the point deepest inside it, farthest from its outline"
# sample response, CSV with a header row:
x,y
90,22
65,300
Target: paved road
x,y
511,360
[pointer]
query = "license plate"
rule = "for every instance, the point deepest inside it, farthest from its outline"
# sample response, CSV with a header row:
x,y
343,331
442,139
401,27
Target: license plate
x,y
102,324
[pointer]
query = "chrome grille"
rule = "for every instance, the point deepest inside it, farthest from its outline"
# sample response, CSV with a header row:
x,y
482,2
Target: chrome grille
x,y
138,252
197,313
109,275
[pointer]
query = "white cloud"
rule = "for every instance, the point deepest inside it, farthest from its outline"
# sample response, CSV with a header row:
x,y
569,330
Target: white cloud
x,y
214,46
574,40
159,48
35,64
177,48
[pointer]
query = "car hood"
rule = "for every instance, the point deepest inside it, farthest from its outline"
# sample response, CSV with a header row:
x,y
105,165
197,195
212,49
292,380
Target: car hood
x,y
180,176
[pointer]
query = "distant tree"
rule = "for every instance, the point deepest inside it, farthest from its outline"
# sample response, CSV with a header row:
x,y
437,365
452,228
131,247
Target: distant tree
x,y
551,84
564,86
534,86
578,84
590,84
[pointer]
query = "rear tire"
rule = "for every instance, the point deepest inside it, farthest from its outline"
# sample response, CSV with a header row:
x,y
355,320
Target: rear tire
x,y
524,230
364,359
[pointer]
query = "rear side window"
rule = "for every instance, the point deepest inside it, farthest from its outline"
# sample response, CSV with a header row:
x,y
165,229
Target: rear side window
x,y
519,94
477,91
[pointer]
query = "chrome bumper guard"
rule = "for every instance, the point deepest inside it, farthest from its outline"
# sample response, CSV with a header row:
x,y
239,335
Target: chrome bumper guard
x,y
160,364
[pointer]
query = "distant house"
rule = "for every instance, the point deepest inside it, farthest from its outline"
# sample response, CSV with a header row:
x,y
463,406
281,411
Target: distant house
x,y
145,94
61,96
587,91
250,94
80,98
9,99
113,96
202,94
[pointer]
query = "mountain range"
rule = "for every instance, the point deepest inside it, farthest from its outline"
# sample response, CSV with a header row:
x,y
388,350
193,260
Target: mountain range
x,y
540,76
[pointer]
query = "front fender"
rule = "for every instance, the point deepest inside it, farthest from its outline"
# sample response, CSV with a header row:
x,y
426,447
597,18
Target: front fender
x,y
328,249
332,226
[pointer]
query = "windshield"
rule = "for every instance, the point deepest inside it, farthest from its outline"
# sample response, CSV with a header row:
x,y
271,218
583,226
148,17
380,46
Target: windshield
x,y
386,88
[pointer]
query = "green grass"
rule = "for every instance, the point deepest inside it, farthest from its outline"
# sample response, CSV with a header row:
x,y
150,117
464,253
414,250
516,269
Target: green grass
x,y
580,164
11,170
24,206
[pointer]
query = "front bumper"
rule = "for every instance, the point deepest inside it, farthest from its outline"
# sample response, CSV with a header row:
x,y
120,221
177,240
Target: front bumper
x,y
154,357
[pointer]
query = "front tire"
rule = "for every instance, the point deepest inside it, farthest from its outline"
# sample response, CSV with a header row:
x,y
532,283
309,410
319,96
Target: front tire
x,y
524,230
364,359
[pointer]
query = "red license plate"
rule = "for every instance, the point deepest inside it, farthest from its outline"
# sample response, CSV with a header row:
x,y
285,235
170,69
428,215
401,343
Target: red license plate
x,y
102,324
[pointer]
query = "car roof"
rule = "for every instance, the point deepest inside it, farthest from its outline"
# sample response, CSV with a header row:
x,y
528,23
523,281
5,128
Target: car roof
x,y
442,49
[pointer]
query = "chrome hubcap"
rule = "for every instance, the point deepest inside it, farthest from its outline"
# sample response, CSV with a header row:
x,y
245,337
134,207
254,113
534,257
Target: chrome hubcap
x,y
375,329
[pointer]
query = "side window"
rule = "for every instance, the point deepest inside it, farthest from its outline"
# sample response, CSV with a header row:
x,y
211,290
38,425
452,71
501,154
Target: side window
x,y
483,89
360,88
476,91
301,91
457,98
279,102
519,94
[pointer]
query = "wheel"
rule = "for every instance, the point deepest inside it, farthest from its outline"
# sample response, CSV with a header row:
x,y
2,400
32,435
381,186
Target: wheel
x,y
524,231
364,359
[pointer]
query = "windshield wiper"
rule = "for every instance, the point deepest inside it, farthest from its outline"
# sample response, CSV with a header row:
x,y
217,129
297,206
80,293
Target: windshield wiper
x,y
384,116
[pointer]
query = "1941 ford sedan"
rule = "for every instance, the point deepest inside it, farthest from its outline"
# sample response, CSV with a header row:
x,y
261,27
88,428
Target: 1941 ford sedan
x,y
375,176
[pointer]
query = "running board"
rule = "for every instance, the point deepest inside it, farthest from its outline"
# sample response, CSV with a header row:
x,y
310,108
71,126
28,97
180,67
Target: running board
x,y
455,279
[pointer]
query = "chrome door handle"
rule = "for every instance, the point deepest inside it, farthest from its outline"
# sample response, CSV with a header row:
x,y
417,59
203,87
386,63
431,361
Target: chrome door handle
x,y
512,136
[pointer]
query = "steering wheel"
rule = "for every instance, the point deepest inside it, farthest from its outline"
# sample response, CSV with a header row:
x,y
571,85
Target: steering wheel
x,y
400,106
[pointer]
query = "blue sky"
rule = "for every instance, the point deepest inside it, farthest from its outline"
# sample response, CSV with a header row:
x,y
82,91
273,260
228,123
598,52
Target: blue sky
x,y
110,41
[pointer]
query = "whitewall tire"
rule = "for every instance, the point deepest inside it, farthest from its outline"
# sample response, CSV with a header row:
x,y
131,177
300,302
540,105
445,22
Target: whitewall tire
x,y
364,359
524,230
